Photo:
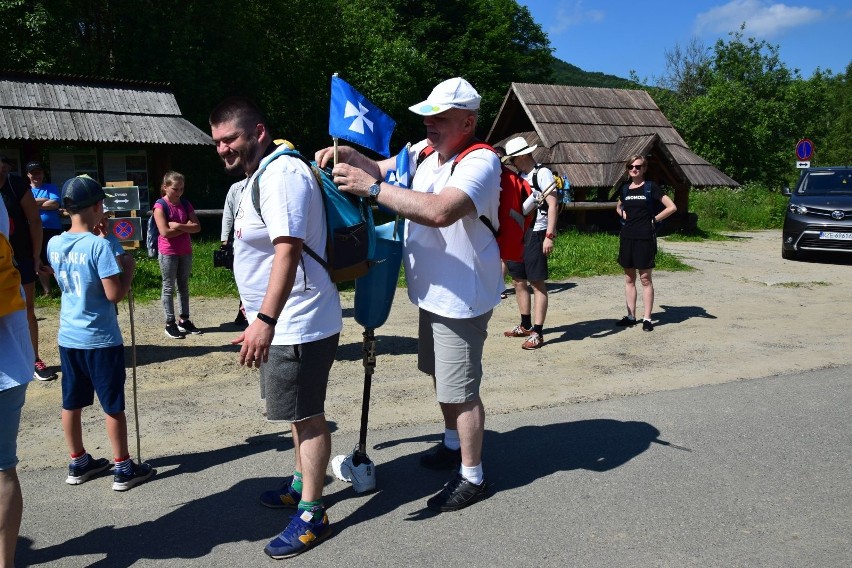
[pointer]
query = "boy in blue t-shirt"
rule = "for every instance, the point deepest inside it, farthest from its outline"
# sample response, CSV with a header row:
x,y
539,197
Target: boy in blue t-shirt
x,y
90,345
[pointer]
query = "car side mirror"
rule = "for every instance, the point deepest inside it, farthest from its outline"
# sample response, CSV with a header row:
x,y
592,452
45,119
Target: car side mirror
x,y
785,191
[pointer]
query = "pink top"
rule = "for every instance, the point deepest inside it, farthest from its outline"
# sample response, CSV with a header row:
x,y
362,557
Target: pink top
x,y
180,244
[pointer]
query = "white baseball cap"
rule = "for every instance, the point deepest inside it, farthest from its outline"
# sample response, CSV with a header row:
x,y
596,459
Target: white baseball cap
x,y
452,93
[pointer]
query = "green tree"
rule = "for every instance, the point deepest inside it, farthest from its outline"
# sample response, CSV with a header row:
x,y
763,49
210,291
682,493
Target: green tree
x,y
835,149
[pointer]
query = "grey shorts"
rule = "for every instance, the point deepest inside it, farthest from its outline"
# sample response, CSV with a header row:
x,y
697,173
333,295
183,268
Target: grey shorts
x,y
294,380
11,403
451,351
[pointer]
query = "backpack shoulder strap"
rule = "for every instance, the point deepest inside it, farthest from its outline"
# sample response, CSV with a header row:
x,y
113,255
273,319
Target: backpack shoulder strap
x,y
474,145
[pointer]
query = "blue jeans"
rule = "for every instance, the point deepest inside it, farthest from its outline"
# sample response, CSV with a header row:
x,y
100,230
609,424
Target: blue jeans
x,y
175,270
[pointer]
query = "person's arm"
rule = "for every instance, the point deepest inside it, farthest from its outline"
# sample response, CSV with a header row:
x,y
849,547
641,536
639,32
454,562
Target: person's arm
x,y
257,338
163,225
228,215
117,286
28,205
191,226
670,209
47,203
355,173
552,219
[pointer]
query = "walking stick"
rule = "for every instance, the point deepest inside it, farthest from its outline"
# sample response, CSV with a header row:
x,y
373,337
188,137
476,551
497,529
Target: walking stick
x,y
133,362
369,351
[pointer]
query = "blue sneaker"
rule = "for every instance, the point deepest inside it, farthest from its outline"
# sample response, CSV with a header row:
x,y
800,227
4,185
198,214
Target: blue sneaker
x,y
284,498
78,475
301,534
141,472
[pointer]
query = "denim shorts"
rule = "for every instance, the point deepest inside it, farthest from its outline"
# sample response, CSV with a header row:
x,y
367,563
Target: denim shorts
x,y
450,350
295,378
11,403
89,371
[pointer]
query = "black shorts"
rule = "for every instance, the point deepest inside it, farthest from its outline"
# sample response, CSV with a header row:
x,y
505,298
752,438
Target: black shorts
x,y
637,253
27,270
534,266
295,378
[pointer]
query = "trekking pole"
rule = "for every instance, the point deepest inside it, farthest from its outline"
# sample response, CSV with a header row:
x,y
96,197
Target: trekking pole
x,y
133,362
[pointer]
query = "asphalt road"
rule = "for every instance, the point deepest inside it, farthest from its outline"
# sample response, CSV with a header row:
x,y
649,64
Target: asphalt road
x,y
752,473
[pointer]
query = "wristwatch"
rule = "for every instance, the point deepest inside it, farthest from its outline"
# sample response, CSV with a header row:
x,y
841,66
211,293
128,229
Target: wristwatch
x,y
375,189
550,236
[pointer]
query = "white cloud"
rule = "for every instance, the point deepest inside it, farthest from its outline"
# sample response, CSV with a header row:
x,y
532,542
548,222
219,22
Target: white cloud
x,y
570,14
762,19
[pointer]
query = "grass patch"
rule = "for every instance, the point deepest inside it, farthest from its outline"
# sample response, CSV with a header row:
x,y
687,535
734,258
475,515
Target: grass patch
x,y
751,207
577,254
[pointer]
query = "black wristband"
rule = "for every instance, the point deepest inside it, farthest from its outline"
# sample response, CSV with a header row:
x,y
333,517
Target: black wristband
x,y
267,319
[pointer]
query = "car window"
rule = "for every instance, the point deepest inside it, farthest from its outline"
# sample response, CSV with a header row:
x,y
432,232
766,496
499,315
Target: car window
x,y
827,182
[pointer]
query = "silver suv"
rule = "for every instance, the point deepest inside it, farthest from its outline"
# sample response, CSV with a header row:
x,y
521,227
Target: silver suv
x,y
819,215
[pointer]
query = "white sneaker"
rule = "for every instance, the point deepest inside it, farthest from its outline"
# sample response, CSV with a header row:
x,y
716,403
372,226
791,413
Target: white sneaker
x,y
362,476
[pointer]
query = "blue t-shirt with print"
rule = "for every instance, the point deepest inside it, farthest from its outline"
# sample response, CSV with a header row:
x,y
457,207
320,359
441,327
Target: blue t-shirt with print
x,y
87,319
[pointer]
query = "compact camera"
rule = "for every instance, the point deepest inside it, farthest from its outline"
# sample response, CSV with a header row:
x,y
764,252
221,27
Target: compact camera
x,y
224,257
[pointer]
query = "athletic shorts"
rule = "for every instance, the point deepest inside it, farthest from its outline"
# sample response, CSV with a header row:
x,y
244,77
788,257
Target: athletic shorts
x,y
451,351
27,270
47,234
534,266
11,403
294,380
637,253
89,371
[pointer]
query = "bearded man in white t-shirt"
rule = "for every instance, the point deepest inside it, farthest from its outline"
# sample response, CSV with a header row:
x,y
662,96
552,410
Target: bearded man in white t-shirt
x,y
452,266
292,307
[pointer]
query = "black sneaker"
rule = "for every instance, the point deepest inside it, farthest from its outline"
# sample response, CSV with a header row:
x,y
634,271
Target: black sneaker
x,y
173,331
78,475
42,373
441,457
141,472
627,321
187,326
458,494
647,325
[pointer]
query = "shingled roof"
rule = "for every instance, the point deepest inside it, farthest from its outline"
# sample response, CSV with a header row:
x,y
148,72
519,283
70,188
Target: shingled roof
x,y
83,109
588,133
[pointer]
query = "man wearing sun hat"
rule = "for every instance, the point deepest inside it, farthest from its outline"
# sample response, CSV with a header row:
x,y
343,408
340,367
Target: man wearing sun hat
x,y
538,244
452,266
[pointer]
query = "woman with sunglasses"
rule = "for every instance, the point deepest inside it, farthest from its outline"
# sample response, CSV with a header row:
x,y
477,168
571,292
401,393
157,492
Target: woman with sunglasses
x,y
638,246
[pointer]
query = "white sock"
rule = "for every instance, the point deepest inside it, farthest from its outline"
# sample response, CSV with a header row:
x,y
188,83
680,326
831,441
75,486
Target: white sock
x,y
473,474
451,439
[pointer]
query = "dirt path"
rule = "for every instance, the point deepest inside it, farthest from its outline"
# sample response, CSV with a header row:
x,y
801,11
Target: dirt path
x,y
742,313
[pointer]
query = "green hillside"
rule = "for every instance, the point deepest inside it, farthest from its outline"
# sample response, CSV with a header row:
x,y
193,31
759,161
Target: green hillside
x,y
567,74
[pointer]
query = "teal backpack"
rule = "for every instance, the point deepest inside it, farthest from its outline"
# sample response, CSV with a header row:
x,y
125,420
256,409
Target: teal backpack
x,y
351,237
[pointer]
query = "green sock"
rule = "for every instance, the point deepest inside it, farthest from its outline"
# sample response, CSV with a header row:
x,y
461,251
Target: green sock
x,y
315,507
296,484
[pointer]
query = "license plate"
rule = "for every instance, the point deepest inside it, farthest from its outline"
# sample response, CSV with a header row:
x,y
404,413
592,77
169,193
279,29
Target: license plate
x,y
835,236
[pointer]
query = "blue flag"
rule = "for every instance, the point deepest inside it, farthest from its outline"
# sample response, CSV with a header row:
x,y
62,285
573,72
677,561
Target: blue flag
x,y
401,175
354,118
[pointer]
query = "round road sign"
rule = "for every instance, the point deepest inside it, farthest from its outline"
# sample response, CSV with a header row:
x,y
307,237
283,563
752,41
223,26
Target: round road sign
x,y
123,230
804,149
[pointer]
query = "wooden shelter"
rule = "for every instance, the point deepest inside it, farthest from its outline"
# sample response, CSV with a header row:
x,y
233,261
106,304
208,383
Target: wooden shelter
x,y
587,134
112,130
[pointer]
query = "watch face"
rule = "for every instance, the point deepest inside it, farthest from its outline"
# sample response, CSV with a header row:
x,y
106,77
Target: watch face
x,y
374,189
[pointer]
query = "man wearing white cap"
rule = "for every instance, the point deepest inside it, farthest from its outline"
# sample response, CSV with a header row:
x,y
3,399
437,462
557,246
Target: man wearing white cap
x,y
452,265
538,244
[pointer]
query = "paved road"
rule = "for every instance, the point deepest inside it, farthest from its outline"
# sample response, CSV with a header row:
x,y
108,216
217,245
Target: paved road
x,y
753,473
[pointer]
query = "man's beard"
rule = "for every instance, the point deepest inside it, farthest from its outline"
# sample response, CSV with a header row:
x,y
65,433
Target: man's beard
x,y
239,167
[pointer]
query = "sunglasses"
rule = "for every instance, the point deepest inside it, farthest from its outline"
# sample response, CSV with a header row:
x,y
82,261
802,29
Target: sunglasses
x,y
634,167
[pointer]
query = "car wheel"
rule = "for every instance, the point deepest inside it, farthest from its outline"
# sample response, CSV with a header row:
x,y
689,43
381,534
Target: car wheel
x,y
788,254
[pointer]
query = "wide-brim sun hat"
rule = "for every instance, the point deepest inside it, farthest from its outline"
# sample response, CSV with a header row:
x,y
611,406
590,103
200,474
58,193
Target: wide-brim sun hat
x,y
81,192
518,147
452,93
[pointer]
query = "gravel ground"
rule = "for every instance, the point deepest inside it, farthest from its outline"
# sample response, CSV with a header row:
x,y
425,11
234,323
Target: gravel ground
x,y
742,313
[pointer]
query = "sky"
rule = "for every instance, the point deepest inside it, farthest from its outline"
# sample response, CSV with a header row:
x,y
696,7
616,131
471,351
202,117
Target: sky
x,y
617,36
